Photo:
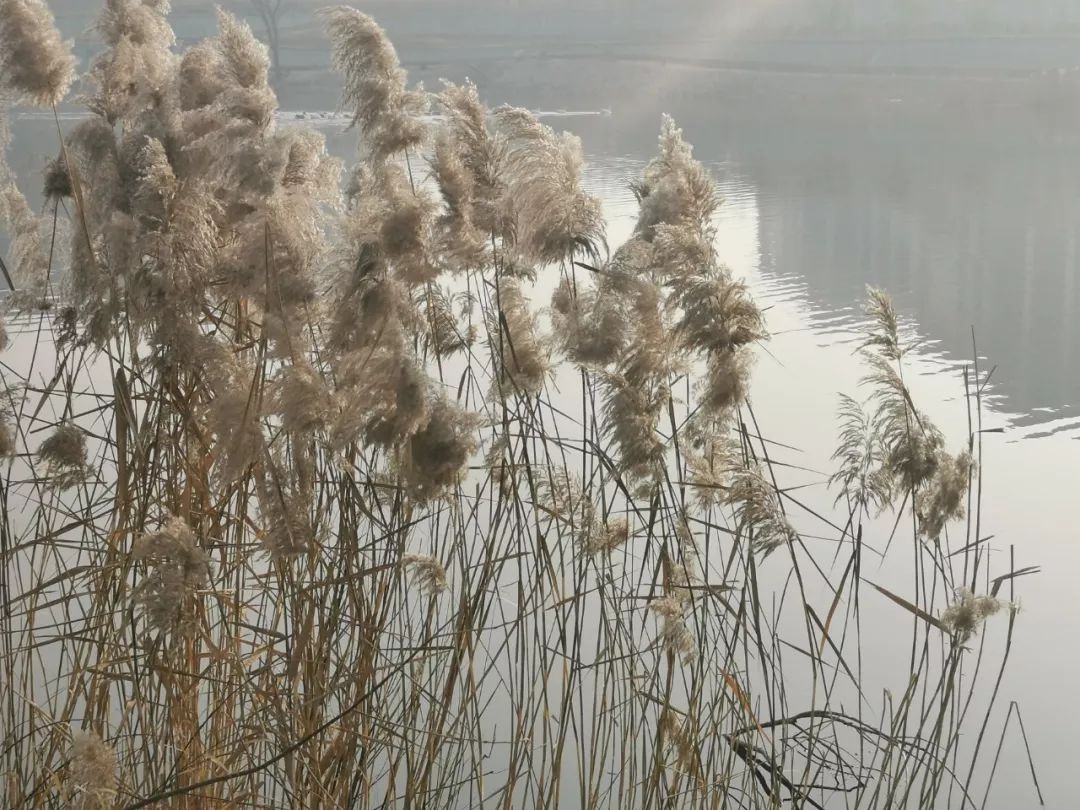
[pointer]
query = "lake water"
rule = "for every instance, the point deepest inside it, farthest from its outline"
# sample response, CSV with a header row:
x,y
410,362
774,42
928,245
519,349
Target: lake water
x,y
973,227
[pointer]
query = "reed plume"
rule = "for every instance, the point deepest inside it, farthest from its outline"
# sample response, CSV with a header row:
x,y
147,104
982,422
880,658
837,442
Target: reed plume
x,y
675,635
675,188
65,456
91,776
436,456
517,341
942,499
287,526
967,613
428,572
863,474
555,218
35,64
178,570
375,91
758,511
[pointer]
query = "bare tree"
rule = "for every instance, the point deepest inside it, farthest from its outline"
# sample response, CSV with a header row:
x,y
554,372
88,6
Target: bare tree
x,y
270,12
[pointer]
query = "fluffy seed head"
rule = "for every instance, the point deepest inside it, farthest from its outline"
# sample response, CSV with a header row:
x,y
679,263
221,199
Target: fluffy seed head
x,y
178,570
757,509
246,60
631,414
679,735
375,85
862,475
302,399
202,76
964,616
592,328
942,499
555,218
91,775
287,526
674,633
607,537
883,335
35,64
727,381
437,455
716,314
7,439
516,341
57,180
29,259
675,189
64,454
428,572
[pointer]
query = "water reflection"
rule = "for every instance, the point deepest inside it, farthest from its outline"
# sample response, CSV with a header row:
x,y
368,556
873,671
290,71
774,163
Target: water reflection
x,y
979,238
968,228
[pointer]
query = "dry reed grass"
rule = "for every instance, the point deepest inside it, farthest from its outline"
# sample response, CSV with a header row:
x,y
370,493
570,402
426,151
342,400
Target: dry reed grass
x,y
315,527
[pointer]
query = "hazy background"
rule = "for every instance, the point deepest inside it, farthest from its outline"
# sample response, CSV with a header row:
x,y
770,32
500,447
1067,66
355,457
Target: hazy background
x,y
550,48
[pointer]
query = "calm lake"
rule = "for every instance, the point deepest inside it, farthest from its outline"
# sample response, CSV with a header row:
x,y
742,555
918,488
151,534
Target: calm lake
x,y
972,225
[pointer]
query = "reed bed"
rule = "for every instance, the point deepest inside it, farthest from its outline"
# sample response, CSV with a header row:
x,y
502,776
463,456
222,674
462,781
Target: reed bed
x,y
396,485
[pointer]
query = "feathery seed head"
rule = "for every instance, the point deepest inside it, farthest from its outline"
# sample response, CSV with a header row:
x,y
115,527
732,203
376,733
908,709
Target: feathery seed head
x,y
155,186
436,457
591,327
710,463
758,511
443,334
395,406
64,454
675,188
428,572
7,439
911,442
555,218
727,382
142,22
246,60
90,782
35,64
375,84
57,180
674,632
607,537
179,568
964,616
679,735
286,513
631,414
942,499
522,352
233,416
30,263
863,475
202,76
884,331
716,314
300,396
